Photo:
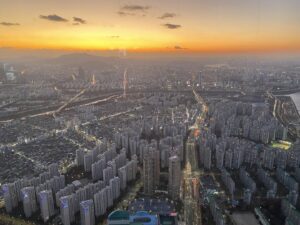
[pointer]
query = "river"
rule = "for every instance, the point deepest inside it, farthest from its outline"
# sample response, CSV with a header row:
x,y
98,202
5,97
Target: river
x,y
296,99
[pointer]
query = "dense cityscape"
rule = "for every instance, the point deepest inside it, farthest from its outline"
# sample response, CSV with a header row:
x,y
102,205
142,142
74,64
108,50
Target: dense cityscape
x,y
149,112
98,140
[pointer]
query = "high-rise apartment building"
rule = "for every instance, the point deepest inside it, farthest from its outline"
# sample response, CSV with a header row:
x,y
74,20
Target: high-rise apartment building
x,y
151,171
87,214
29,201
46,204
174,177
67,209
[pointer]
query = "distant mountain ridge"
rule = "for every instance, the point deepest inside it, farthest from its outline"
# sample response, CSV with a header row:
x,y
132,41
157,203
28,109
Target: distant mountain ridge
x,y
81,58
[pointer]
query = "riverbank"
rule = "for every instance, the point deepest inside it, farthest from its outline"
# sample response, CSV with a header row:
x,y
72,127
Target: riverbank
x,y
296,99
286,92
286,112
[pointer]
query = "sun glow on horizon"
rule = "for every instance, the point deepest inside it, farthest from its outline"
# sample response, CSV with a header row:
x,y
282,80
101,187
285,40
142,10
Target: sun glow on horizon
x,y
152,26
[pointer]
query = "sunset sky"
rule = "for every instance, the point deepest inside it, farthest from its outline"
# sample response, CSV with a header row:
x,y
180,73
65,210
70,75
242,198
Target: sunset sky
x,y
152,25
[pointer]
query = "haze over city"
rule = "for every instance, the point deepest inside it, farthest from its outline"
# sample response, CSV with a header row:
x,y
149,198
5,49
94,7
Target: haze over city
x,y
148,112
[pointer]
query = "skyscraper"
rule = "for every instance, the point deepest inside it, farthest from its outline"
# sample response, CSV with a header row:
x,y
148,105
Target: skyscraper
x,y
174,177
115,186
19,184
2,73
46,204
53,169
207,158
88,160
123,177
87,214
107,175
29,201
109,196
151,171
100,200
10,197
67,209
200,79
97,169
80,157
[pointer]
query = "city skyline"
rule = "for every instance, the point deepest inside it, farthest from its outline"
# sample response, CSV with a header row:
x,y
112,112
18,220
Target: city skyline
x,y
216,26
150,112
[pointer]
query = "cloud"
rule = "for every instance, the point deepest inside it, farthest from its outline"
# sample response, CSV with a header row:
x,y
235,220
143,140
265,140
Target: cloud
x,y
171,26
54,18
114,36
9,24
177,47
79,20
135,8
75,24
167,15
121,13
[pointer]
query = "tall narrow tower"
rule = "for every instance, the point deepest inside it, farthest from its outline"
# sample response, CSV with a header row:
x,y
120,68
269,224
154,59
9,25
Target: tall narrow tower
x,y
200,79
93,80
125,83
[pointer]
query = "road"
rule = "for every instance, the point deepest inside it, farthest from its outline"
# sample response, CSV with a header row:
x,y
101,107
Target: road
x,y
48,110
191,184
68,102
191,173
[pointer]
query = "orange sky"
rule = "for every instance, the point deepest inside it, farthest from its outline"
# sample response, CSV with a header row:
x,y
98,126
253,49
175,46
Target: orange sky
x,y
152,25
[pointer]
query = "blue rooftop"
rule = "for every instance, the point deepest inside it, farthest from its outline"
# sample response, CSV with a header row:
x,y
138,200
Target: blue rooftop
x,y
118,215
144,218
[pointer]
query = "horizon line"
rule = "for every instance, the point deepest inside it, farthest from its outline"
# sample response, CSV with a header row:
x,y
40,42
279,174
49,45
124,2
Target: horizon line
x,y
163,50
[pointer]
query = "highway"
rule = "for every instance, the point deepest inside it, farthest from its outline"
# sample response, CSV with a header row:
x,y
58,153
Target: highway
x,y
68,102
52,109
191,184
191,172
113,115
108,96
